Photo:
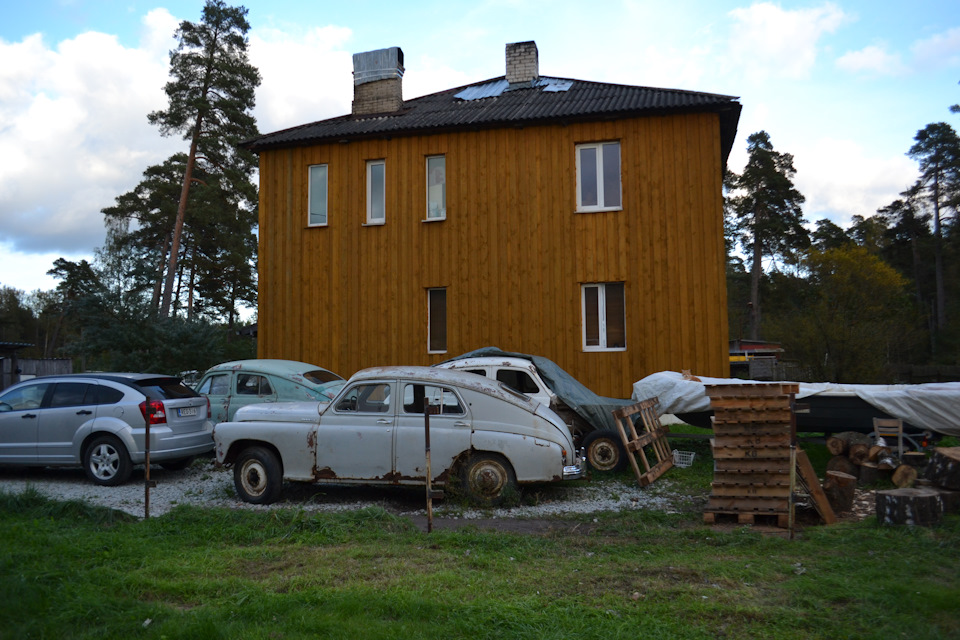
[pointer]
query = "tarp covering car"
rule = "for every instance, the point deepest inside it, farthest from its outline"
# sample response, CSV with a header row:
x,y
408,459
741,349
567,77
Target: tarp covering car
x,y
595,409
933,406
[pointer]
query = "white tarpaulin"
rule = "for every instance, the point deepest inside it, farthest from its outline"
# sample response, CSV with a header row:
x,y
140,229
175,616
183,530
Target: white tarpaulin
x,y
934,406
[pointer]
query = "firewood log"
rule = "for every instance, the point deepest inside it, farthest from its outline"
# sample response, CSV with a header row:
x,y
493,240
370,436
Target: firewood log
x,y
839,443
904,476
887,462
858,452
875,452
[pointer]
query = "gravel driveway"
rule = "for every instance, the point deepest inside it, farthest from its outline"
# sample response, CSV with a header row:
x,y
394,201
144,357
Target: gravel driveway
x,y
203,484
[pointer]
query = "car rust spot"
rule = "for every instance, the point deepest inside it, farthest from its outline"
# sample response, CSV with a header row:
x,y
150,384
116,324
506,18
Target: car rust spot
x,y
324,474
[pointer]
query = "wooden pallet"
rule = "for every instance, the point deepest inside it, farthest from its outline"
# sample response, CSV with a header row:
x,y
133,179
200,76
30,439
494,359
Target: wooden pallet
x,y
752,454
652,440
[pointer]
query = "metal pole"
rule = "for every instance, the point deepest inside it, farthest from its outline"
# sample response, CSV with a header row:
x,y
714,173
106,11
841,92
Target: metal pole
x,y
427,411
146,461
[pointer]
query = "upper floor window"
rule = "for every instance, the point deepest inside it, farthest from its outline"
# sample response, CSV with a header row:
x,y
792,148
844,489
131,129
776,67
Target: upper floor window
x,y
317,196
598,177
604,322
376,192
436,187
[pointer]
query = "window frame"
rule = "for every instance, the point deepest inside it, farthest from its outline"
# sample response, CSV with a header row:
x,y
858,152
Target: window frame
x,y
430,321
600,177
602,320
371,221
326,195
443,210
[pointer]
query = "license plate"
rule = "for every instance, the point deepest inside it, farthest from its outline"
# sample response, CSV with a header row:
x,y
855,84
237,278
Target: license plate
x,y
187,411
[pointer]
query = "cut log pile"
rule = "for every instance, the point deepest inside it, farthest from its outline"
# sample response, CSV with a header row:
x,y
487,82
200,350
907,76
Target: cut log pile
x,y
925,505
870,462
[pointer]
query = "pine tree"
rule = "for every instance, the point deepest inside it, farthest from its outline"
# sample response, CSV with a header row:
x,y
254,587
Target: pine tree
x,y
211,96
766,214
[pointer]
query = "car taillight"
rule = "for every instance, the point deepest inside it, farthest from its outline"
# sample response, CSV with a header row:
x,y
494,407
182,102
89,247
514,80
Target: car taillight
x,y
157,414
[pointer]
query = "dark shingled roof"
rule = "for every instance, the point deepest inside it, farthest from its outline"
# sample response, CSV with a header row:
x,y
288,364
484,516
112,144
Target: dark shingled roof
x,y
551,100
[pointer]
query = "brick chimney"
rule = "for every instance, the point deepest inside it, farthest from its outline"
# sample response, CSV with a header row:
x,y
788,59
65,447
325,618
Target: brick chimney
x,y
378,81
523,65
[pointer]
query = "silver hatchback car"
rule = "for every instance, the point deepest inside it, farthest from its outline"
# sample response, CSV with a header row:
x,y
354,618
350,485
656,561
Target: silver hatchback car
x,y
99,421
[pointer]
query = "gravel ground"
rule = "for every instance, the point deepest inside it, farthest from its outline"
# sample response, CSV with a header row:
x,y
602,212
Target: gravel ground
x,y
203,484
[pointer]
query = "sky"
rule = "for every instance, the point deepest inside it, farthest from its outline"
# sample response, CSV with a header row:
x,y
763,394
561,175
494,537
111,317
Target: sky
x,y
843,86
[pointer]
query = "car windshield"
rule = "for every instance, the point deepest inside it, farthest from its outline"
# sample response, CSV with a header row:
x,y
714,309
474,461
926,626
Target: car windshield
x,y
166,388
320,376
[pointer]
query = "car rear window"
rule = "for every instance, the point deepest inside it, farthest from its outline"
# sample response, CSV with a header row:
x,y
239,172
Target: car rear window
x,y
321,377
166,389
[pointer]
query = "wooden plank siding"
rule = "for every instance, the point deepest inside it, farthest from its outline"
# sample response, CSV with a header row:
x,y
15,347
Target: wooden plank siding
x,y
512,251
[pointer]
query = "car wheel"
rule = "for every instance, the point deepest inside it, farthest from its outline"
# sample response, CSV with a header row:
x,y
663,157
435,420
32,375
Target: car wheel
x,y
178,465
487,479
604,451
257,475
106,461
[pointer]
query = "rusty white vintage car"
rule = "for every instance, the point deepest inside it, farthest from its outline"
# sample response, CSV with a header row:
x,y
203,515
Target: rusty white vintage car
x,y
485,435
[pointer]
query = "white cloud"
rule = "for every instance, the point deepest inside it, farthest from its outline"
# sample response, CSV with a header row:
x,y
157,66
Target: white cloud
x,y
767,40
305,77
840,179
940,50
74,120
872,59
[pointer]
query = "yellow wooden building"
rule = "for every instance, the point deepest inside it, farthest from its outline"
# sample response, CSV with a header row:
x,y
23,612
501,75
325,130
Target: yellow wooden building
x,y
574,220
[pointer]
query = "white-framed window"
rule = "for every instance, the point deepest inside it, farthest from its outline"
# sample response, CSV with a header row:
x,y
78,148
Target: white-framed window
x,y
376,191
436,187
437,320
317,196
598,177
604,320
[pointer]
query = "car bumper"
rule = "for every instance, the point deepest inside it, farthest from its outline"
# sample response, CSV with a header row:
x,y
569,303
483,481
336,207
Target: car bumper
x,y
575,470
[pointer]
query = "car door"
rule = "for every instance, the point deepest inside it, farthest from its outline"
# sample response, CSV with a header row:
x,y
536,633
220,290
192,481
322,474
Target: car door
x,y
449,430
250,388
70,406
216,387
19,422
355,436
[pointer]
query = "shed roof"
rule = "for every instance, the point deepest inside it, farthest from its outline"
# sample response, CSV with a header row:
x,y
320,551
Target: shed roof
x,y
494,104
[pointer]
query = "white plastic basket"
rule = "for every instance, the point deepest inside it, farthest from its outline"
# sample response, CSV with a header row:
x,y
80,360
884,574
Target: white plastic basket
x,y
683,459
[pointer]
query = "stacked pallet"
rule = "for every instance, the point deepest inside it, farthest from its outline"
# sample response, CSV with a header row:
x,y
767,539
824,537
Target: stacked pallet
x,y
751,452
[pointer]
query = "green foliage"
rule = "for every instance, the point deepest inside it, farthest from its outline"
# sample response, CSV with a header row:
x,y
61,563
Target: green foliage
x,y
852,312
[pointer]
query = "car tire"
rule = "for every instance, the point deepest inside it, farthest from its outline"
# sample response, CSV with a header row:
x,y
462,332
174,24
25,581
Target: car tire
x,y
178,465
106,461
257,475
604,451
487,479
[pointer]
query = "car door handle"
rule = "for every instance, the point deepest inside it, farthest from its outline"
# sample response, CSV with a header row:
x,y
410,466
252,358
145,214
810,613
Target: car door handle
x,y
460,423
84,412
383,421
28,415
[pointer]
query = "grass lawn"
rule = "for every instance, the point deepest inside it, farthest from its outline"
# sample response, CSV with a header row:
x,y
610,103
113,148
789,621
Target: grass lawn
x,y
69,570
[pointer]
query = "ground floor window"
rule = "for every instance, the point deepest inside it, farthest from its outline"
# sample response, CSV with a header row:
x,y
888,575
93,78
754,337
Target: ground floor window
x,y
604,321
437,320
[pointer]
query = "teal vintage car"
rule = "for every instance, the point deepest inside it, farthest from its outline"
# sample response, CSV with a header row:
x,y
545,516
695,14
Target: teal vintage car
x,y
236,384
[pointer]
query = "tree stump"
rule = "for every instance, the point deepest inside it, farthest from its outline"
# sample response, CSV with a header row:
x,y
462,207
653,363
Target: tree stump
x,y
839,443
843,465
944,467
922,507
870,474
840,488
951,500
904,476
916,459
